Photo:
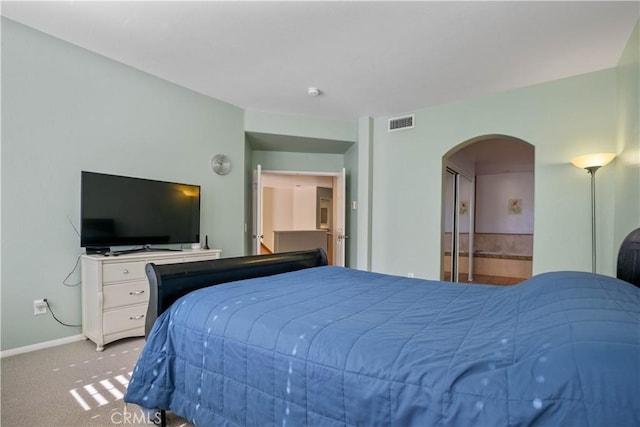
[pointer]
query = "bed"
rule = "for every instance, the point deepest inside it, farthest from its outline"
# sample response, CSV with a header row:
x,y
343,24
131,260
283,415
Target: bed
x,y
287,340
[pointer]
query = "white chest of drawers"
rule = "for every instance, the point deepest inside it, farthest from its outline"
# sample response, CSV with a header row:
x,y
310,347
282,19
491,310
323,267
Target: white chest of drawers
x,y
115,292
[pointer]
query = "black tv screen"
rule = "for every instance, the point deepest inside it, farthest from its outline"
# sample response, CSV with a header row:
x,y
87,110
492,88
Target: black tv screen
x,y
120,210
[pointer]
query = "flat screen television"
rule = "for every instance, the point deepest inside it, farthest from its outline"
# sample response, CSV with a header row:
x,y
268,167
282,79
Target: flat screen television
x,y
125,211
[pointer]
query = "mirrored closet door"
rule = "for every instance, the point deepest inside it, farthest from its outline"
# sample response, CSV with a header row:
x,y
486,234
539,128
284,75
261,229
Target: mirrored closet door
x,y
458,227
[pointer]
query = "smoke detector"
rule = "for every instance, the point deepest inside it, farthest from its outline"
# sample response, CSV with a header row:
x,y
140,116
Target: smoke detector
x,y
313,91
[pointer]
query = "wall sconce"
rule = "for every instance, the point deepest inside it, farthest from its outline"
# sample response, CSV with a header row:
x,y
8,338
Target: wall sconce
x,y
593,162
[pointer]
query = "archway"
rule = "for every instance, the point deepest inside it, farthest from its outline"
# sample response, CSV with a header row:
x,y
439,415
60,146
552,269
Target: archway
x,y
487,210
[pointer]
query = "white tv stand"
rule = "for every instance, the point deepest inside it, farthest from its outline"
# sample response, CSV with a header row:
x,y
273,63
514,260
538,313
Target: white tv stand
x,y
115,292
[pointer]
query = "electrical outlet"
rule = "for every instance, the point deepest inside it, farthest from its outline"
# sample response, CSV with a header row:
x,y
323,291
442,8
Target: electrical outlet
x,y
39,307
410,275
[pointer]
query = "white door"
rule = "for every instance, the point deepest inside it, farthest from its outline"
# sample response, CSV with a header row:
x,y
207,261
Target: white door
x,y
256,230
340,235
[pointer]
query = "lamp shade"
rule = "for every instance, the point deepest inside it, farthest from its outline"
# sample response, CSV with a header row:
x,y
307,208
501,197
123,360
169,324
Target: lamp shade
x,y
593,160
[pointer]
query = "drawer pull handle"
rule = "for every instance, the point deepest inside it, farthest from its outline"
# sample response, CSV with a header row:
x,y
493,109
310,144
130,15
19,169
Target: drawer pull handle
x,y
125,271
136,293
138,317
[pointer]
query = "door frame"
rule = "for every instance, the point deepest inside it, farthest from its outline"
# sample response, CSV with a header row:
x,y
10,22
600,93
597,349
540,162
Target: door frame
x,y
339,232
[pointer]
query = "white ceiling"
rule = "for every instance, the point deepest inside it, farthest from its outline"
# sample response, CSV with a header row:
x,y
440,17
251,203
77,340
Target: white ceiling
x,y
368,58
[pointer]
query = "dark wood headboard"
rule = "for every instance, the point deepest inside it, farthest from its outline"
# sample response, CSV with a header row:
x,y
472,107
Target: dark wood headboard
x,y
168,282
629,258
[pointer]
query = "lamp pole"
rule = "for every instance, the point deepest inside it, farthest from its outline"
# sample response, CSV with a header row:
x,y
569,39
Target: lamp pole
x,y
593,162
592,170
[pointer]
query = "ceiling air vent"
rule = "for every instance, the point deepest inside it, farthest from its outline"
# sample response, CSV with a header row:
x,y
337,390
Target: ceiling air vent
x,y
400,123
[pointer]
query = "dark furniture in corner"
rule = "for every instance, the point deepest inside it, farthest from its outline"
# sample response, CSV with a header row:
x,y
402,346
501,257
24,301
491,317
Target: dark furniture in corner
x,y
629,258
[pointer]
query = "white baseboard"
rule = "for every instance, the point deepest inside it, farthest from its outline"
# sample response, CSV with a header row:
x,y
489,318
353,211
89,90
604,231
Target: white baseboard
x,y
40,346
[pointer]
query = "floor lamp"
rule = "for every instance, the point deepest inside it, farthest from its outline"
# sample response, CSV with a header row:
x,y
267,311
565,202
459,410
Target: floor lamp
x,y
593,162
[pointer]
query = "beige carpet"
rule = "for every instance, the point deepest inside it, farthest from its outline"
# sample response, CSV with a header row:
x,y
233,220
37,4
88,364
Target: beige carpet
x,y
73,385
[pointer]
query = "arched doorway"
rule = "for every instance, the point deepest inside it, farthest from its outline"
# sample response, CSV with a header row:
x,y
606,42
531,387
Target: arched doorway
x,y
487,210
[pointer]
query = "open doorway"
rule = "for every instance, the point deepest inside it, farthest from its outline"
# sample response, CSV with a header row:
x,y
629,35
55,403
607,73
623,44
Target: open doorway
x,y
487,209
299,211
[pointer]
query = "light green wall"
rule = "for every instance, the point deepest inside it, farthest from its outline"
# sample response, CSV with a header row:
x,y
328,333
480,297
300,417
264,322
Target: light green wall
x,y
310,127
65,109
562,119
302,162
627,166
364,152
351,215
248,198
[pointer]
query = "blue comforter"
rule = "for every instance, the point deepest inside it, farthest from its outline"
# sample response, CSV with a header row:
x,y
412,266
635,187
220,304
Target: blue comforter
x,y
330,346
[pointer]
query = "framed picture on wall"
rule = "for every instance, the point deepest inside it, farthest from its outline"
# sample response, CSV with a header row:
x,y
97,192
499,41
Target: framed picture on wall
x,y
515,206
